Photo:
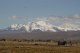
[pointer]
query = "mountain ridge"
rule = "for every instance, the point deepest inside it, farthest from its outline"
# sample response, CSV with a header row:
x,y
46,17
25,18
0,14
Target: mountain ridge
x,y
43,26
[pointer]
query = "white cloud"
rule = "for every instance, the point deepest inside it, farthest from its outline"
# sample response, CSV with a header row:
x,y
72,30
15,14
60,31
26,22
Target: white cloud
x,y
13,17
18,17
61,19
51,19
76,16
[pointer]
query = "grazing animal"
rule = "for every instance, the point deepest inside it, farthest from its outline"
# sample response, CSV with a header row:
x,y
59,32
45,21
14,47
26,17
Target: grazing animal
x,y
62,42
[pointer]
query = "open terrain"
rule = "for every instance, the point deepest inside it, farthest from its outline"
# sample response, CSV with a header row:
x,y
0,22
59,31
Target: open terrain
x,y
36,47
27,42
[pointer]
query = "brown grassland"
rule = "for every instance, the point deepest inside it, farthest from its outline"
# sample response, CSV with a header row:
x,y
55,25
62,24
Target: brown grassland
x,y
36,47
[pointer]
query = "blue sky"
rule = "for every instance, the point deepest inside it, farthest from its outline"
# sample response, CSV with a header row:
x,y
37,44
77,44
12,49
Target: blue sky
x,y
19,11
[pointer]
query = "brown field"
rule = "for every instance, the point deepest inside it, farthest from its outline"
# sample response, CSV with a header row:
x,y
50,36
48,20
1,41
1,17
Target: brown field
x,y
36,47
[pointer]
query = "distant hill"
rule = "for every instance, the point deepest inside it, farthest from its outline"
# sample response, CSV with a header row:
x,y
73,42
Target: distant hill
x,y
43,35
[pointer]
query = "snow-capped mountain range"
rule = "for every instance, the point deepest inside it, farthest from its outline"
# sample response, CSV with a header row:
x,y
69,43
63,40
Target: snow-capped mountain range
x,y
43,26
33,26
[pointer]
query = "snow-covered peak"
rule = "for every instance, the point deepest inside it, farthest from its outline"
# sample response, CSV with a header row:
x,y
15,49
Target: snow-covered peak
x,y
69,27
41,25
16,26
